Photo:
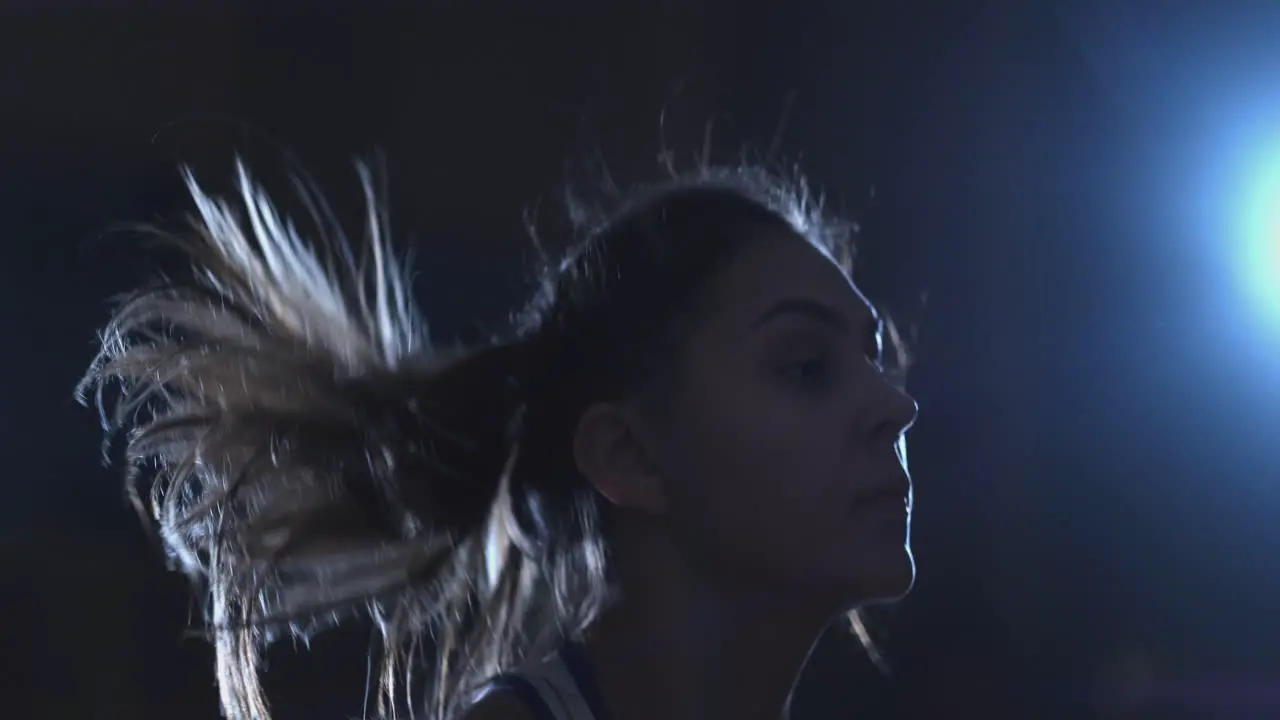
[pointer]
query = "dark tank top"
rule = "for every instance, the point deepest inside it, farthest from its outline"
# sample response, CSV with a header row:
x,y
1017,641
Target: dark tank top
x,y
561,688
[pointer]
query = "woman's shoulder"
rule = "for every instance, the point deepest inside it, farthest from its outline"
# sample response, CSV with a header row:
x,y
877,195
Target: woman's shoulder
x,y
547,689
508,696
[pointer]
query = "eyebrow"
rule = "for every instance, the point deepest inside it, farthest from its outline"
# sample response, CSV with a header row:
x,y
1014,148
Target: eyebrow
x,y
816,311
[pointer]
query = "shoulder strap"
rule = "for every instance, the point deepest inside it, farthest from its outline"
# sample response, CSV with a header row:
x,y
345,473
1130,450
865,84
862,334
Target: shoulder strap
x,y
548,690
520,686
559,689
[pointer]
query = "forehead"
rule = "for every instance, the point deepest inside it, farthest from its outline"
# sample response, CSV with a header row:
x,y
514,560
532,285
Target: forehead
x,y
784,266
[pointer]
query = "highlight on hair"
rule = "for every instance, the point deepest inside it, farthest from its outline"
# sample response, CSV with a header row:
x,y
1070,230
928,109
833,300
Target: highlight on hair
x,y
306,453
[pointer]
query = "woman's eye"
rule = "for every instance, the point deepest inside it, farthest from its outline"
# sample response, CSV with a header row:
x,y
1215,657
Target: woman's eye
x,y
810,372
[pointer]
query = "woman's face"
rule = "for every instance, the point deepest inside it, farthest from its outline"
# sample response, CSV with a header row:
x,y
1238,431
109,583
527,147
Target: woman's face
x,y
783,458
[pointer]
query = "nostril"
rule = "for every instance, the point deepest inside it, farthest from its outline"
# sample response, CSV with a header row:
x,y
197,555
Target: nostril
x,y
888,431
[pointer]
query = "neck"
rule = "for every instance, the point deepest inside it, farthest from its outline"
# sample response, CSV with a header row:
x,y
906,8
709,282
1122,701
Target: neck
x,y
679,644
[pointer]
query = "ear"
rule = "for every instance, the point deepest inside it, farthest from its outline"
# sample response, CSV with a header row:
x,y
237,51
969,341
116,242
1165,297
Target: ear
x,y
610,453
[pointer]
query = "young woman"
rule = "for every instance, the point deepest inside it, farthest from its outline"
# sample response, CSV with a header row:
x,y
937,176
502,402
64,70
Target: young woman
x,y
646,500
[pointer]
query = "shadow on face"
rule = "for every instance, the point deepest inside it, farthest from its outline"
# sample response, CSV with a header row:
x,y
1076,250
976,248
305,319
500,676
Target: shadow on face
x,y
780,460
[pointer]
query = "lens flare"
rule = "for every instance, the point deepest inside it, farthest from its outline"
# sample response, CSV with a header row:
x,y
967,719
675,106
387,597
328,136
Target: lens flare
x,y
1260,261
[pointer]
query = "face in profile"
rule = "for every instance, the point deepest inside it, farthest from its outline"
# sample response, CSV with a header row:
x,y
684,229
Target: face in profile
x,y
783,460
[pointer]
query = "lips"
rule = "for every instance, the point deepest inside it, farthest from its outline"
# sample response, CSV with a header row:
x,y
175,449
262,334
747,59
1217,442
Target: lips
x,y
886,495
898,491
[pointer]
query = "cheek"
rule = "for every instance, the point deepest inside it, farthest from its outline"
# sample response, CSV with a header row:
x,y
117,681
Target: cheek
x,y
758,477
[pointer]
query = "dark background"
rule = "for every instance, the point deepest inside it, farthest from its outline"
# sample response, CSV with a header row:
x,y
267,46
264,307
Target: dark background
x,y
1096,456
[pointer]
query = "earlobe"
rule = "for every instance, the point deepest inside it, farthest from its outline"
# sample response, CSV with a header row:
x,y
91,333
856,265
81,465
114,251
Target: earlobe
x,y
611,455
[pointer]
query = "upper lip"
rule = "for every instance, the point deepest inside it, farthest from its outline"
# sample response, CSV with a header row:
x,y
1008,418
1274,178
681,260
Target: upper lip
x,y
899,488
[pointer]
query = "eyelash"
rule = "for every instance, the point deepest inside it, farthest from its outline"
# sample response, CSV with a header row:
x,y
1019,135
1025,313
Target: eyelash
x,y
873,354
788,370
813,369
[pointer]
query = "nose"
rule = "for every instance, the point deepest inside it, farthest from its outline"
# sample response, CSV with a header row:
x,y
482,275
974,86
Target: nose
x,y
897,414
902,413
905,410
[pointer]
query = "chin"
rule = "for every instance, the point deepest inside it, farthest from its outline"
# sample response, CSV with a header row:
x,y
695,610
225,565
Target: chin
x,y
898,579
884,577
